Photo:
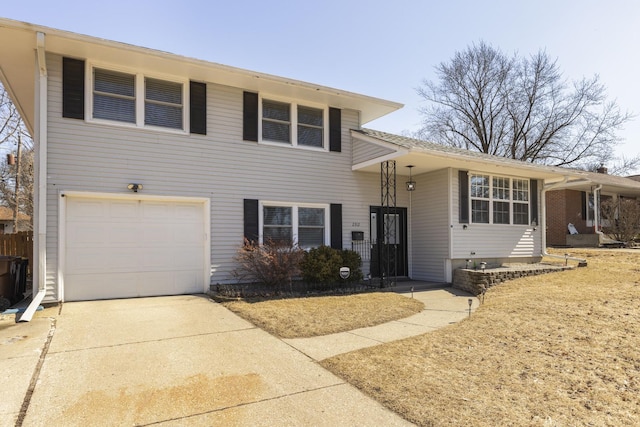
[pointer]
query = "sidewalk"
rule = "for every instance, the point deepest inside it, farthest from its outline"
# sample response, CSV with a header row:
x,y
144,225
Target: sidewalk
x,y
443,306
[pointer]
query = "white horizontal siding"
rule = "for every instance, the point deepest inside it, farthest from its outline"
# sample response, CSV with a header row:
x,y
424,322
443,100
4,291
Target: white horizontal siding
x,y
365,151
220,166
430,226
486,241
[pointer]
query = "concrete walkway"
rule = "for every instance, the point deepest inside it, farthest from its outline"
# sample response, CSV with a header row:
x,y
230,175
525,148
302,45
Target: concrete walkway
x,y
443,306
186,360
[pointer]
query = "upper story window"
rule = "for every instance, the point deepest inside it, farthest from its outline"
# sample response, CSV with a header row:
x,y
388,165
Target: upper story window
x,y
276,121
282,122
294,124
499,200
114,96
310,127
138,100
163,103
132,99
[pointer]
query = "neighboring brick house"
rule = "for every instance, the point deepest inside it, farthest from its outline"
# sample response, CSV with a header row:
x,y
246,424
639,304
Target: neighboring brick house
x,y
576,206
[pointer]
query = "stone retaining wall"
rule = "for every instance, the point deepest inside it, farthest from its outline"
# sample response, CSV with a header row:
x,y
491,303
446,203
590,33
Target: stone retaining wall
x,y
478,281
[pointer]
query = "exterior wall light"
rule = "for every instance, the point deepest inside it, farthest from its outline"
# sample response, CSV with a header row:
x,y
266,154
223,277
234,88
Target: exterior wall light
x,y
134,187
411,184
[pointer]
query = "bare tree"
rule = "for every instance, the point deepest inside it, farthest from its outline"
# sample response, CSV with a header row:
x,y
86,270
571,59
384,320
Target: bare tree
x,y
521,108
622,219
10,121
8,187
16,170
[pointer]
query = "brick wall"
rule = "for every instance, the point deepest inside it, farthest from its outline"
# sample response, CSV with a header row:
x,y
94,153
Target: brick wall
x,y
564,207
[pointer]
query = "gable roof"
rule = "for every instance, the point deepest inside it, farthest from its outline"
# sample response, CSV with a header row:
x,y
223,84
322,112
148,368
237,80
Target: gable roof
x,y
427,156
18,67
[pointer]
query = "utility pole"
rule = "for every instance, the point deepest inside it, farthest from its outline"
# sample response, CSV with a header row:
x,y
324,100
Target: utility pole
x,y
17,199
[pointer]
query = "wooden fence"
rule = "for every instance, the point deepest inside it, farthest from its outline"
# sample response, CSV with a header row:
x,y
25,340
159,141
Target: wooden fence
x,y
18,244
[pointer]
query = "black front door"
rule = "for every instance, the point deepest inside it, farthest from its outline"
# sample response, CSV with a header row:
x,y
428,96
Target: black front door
x,y
388,241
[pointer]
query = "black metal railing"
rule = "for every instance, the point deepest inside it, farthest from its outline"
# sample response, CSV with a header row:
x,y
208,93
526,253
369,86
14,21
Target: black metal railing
x,y
363,248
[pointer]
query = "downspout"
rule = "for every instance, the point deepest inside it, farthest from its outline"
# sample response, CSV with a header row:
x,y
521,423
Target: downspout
x,y
543,222
40,178
596,211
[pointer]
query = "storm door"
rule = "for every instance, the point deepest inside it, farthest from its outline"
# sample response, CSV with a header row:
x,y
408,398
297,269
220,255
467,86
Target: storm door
x,y
388,242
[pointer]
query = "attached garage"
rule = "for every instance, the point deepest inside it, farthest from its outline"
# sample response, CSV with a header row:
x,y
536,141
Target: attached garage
x,y
132,246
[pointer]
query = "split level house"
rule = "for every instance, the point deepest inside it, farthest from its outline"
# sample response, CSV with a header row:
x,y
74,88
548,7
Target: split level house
x,y
152,169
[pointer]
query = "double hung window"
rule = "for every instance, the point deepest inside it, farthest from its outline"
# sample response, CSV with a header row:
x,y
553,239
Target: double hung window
x,y
297,125
301,225
521,201
114,96
276,121
163,103
138,100
499,200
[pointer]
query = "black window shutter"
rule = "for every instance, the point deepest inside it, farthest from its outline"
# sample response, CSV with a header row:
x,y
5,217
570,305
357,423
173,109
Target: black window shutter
x,y
198,108
73,88
583,210
250,117
336,225
335,129
533,190
251,232
463,184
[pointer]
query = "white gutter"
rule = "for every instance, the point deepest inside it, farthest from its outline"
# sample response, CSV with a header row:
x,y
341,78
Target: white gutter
x,y
543,220
596,212
40,178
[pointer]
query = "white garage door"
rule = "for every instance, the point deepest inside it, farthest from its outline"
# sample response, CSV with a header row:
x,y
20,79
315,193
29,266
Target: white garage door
x,y
121,248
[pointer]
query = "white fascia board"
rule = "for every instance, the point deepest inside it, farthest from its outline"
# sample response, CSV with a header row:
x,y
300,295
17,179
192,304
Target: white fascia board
x,y
372,140
87,47
378,160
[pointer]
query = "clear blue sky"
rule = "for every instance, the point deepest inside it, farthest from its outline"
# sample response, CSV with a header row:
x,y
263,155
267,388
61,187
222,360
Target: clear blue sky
x,y
380,48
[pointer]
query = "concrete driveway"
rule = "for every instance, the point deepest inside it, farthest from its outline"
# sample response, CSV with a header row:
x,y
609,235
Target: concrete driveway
x,y
181,360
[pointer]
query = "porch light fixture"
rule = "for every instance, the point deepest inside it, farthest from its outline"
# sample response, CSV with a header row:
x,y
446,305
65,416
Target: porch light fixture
x,y
134,187
411,184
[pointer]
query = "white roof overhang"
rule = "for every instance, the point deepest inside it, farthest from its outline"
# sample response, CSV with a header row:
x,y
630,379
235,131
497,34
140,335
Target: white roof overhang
x,y
17,70
425,160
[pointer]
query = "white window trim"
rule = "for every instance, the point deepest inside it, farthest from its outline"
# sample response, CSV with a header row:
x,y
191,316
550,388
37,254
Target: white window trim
x,y
140,99
293,113
589,221
294,216
511,200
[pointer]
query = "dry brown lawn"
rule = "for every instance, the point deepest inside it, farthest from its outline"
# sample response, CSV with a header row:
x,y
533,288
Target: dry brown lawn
x,y
308,317
561,349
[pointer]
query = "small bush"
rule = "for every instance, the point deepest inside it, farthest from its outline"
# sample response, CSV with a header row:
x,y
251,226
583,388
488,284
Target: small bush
x,y
352,260
322,265
622,219
273,264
